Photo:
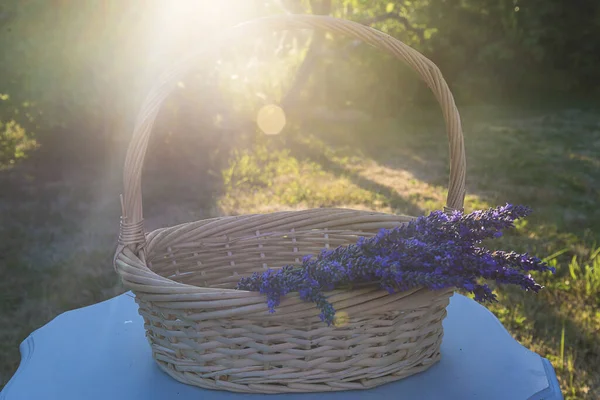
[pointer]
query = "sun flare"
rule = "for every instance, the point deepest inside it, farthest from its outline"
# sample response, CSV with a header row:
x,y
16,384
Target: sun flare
x,y
271,119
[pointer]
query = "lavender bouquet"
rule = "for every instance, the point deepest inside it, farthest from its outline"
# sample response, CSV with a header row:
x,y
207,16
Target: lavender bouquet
x,y
435,251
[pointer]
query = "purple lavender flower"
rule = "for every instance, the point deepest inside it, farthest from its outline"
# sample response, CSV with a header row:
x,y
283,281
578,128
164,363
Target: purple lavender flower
x,y
436,251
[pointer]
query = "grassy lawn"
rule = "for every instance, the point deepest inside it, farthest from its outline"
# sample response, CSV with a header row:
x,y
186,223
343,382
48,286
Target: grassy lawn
x,y
57,243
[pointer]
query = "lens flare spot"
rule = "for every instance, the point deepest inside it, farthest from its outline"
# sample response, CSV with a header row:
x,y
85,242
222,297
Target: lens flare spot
x,y
341,319
271,119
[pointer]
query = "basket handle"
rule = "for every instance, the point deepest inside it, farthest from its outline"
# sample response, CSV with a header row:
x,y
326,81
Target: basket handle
x,y
132,230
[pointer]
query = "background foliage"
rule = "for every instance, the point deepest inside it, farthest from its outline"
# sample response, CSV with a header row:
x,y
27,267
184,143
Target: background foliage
x,y
86,64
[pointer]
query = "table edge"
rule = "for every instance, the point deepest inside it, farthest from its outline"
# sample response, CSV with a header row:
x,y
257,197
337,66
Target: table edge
x,y
552,392
26,349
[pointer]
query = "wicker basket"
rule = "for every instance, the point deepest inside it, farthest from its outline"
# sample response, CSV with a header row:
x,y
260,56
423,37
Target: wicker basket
x,y
203,332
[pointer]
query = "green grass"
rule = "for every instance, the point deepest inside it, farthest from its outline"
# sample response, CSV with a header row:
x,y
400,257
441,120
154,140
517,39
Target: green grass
x,y
547,159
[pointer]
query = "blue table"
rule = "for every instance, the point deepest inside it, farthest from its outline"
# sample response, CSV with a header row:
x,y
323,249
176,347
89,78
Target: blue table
x,y
100,352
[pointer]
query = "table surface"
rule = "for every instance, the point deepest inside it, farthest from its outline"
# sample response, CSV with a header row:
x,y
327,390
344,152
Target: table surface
x,y
100,352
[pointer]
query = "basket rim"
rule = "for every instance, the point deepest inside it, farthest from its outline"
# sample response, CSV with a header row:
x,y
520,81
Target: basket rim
x,y
127,262
166,292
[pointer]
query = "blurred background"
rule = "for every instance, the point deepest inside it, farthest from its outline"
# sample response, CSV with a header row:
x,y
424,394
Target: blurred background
x,y
299,119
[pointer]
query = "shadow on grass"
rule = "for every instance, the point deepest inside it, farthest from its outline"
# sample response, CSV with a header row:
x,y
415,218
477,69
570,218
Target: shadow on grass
x,y
395,200
549,161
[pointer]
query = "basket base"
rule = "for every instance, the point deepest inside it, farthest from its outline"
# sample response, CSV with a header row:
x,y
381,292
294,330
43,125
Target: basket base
x,y
398,336
394,373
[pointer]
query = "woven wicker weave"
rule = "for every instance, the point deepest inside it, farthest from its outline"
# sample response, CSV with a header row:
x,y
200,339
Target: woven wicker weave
x,y
203,332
